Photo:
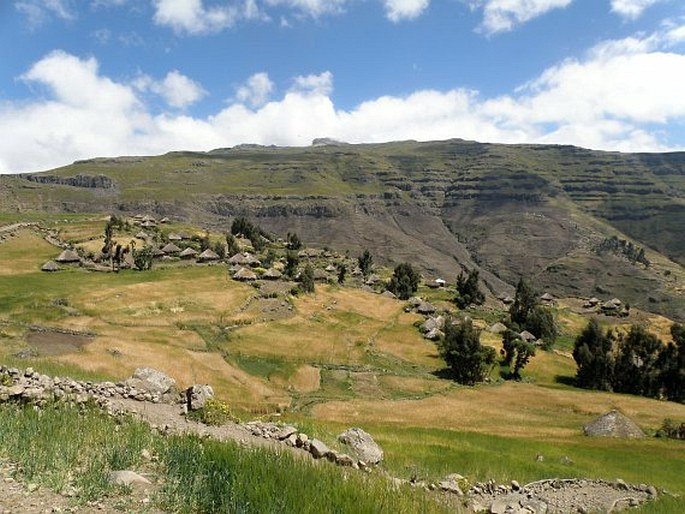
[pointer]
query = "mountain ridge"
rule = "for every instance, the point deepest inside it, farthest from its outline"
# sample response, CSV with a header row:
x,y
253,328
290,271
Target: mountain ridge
x,y
511,210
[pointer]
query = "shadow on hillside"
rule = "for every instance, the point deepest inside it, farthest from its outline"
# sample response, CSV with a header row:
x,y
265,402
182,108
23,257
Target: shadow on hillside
x,y
565,380
444,373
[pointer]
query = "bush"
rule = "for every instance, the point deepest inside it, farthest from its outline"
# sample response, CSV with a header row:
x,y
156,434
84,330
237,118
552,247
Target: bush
x,y
404,281
215,412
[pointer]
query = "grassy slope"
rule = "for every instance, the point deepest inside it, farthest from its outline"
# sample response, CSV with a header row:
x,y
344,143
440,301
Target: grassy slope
x,y
374,370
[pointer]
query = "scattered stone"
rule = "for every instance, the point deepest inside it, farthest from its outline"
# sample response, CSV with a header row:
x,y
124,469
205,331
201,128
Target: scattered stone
x,y
127,477
318,449
362,445
151,380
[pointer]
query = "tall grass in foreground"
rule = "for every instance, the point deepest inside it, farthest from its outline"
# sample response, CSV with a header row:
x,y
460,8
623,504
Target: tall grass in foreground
x,y
62,446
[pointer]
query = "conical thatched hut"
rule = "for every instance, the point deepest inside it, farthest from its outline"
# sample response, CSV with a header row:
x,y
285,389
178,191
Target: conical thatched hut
x,y
208,255
613,424
245,274
547,297
50,266
188,253
171,248
174,237
68,256
141,235
272,274
497,328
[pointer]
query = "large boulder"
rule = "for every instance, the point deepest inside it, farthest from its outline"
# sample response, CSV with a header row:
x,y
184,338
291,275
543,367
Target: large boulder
x,y
613,424
362,445
197,395
152,381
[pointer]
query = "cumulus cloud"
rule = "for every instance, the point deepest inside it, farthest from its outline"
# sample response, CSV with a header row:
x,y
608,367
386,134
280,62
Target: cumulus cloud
x,y
504,15
315,85
398,10
256,90
620,96
177,90
193,17
631,9
312,7
38,12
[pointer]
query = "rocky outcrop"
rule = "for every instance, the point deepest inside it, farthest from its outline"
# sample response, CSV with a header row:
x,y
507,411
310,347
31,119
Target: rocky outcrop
x,y
152,381
197,396
362,445
87,181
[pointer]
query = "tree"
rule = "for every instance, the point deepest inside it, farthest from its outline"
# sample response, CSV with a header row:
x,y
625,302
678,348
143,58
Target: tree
x,y
636,370
232,245
291,263
365,261
468,360
142,259
524,302
307,279
672,365
593,353
404,281
517,352
528,314
109,242
342,273
220,249
269,258
468,291
293,241
242,227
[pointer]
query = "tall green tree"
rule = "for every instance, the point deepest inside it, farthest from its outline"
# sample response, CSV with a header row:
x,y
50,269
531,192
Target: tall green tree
x,y
365,261
527,314
517,353
342,272
468,291
636,370
232,245
468,360
142,258
291,263
593,353
672,365
307,279
404,281
525,301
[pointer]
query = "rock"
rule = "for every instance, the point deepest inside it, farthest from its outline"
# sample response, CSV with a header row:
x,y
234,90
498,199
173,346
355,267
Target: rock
x,y
197,395
613,424
342,459
450,484
534,506
127,477
15,390
151,380
286,432
515,485
318,449
362,445
651,490
501,505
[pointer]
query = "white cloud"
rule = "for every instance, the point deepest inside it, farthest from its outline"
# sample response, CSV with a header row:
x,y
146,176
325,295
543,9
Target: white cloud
x,y
193,17
631,9
256,90
398,10
504,15
316,85
621,96
177,90
313,8
38,12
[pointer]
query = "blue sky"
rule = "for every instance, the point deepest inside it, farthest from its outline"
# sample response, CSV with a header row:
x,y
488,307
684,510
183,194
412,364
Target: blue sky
x,y
86,78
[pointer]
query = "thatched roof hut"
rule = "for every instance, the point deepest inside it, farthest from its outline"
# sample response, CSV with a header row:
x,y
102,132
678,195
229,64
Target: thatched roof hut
x,y
164,220
208,255
245,274
272,274
174,237
157,252
497,328
527,336
320,275
547,297
171,248
50,266
613,424
188,253
141,235
331,269
68,256
425,308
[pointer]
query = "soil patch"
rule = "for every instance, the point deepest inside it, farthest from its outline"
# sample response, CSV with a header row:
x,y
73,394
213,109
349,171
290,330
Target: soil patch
x,y
57,343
